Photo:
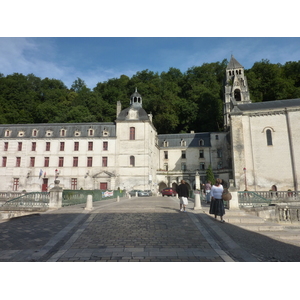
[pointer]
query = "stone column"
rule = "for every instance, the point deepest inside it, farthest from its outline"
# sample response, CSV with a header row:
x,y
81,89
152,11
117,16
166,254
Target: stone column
x,y
55,200
89,202
197,203
234,202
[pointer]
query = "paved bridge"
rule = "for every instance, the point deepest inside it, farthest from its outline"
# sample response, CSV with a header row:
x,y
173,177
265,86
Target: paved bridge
x,y
145,229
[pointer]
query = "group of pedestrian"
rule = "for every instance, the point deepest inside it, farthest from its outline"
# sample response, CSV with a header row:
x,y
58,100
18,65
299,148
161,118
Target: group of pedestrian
x,y
213,196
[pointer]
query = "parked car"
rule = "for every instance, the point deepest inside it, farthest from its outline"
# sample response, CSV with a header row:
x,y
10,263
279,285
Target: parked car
x,y
143,194
139,193
149,192
133,192
168,192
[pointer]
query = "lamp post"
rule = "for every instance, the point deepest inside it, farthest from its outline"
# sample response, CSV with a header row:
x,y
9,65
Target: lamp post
x,y
245,179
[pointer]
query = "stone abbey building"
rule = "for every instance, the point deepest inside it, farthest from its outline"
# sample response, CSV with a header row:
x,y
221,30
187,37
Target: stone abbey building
x,y
259,148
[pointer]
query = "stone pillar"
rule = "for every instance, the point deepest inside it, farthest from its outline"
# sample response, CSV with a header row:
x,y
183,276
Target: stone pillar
x,y
197,203
55,200
89,202
233,204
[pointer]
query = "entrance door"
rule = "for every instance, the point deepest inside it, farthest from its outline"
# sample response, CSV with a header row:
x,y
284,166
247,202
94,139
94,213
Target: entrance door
x,y
103,185
45,185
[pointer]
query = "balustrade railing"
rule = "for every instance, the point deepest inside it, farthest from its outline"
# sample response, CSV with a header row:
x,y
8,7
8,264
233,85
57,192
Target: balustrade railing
x,y
73,197
28,200
264,198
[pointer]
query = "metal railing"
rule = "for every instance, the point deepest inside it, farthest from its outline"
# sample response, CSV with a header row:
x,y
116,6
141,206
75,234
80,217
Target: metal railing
x,y
29,200
73,197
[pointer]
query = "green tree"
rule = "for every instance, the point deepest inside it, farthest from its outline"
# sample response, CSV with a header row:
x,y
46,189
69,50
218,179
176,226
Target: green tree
x,y
210,175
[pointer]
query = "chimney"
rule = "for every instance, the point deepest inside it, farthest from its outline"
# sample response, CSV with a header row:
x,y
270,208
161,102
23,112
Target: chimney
x,y
119,108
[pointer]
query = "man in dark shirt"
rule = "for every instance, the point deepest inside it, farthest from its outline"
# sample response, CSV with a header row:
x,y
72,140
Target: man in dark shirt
x,y
183,194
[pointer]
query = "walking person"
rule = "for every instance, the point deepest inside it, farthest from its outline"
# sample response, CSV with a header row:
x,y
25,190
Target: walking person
x,y
207,191
217,204
183,194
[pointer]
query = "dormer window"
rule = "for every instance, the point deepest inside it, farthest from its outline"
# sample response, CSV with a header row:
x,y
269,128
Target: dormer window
x,y
183,143
7,133
77,133
34,132
62,132
49,133
165,143
105,133
201,143
91,132
21,133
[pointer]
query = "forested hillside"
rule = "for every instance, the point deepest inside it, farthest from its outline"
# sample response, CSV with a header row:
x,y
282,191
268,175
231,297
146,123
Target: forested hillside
x,y
179,102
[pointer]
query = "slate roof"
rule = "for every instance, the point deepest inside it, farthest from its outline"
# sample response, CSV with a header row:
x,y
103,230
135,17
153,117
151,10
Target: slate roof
x,y
70,128
234,64
191,139
269,105
142,114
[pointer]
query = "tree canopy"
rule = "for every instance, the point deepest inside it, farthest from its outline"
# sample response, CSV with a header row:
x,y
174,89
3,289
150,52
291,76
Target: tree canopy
x,y
179,102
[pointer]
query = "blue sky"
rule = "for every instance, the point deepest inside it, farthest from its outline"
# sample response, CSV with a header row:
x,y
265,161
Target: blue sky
x,y
99,40
98,59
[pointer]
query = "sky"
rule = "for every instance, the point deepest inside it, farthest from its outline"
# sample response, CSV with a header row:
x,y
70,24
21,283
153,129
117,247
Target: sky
x,y
100,40
98,59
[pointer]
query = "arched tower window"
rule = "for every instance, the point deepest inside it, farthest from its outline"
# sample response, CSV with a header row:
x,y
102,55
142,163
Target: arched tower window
x,y
269,137
237,95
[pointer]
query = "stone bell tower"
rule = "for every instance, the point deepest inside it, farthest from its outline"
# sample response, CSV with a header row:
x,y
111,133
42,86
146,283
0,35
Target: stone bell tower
x,y
236,88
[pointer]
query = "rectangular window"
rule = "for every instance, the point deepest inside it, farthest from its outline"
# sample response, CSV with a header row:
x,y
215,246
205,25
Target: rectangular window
x,y
183,167
183,154
18,161
105,146
63,132
219,153
46,162
217,137
76,146
90,146
5,146
60,161
132,161
166,154
73,183
47,146
4,160
89,162
62,146
33,146
34,133
132,133
104,161
32,161
19,146
201,153
75,161
16,184
202,166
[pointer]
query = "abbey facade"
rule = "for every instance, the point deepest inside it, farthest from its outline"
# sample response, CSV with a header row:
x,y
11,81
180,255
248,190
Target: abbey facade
x,y
257,149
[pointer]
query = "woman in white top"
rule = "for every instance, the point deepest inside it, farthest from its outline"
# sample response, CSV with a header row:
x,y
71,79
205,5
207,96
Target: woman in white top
x,y
217,204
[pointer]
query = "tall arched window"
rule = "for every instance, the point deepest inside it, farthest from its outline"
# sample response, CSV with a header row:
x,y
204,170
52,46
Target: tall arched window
x,y
132,161
132,133
269,137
